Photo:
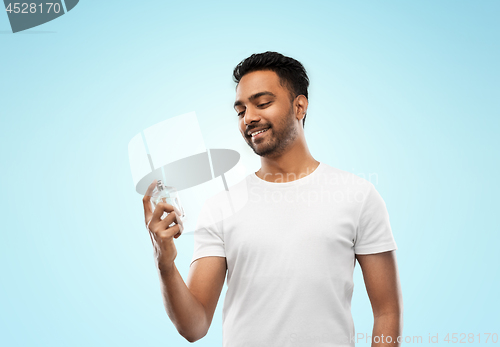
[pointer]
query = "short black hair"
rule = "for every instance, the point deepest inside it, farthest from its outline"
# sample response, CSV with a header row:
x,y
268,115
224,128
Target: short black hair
x,y
291,72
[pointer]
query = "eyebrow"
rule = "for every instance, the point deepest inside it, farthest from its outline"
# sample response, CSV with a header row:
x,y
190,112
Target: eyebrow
x,y
253,97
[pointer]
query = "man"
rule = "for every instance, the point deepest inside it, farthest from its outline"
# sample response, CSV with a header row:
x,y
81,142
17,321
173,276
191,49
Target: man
x,y
291,251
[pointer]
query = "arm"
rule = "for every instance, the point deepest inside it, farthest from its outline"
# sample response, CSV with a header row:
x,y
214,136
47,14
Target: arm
x,y
191,307
380,273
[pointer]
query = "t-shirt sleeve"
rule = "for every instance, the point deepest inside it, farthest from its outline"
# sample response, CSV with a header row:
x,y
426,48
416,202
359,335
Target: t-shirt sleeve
x,y
374,233
208,238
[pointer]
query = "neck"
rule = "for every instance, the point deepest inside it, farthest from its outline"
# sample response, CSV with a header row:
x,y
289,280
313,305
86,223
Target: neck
x,y
293,164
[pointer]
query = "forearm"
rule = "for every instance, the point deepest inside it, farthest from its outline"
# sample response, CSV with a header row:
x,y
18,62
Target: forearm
x,y
386,329
183,309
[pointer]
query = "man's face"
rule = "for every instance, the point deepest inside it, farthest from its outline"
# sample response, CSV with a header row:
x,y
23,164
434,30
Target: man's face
x,y
262,103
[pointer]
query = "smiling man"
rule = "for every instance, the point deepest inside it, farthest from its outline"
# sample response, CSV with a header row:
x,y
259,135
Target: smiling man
x,y
289,254
260,93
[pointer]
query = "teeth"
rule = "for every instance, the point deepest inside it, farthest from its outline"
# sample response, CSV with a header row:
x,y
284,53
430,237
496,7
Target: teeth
x,y
258,132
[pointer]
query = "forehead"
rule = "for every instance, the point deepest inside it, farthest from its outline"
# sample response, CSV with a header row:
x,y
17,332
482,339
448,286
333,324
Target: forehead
x,y
258,81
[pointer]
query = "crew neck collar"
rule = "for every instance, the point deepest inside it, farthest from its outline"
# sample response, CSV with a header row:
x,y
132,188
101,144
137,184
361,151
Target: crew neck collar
x,y
291,183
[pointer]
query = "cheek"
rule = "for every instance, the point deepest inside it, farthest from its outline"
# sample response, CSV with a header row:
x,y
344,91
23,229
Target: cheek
x,y
241,126
276,110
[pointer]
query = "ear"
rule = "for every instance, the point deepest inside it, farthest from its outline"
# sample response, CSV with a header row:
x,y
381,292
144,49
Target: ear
x,y
300,106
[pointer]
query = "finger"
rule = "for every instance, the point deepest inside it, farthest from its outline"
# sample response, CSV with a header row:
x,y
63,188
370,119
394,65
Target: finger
x,y
175,231
167,233
169,219
159,209
178,219
146,201
178,215
149,191
181,229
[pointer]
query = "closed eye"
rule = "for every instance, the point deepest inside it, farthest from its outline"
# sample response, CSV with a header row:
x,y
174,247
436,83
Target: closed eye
x,y
260,105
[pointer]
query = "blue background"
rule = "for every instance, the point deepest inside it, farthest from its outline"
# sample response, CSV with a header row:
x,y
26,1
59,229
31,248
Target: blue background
x,y
405,91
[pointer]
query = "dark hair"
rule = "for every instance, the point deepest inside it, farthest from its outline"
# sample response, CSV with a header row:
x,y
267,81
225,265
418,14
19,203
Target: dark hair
x,y
291,73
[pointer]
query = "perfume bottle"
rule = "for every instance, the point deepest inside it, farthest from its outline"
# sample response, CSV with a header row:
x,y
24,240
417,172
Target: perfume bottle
x,y
167,194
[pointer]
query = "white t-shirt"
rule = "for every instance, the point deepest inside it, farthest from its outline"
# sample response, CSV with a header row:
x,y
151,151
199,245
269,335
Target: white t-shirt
x,y
290,252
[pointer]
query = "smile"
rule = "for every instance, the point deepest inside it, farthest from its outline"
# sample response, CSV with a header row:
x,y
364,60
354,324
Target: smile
x,y
259,133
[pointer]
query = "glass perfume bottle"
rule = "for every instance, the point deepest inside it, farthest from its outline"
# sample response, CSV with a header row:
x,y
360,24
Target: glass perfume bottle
x,y
169,195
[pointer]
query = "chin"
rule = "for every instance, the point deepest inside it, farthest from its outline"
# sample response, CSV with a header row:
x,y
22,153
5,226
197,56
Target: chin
x,y
264,152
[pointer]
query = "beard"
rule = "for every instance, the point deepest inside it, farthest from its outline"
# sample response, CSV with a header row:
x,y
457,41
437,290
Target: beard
x,y
275,144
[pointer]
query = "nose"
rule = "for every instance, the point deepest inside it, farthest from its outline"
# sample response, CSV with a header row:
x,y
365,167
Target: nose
x,y
251,115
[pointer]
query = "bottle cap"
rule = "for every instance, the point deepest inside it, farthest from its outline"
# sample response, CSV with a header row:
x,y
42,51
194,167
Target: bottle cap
x,y
160,185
